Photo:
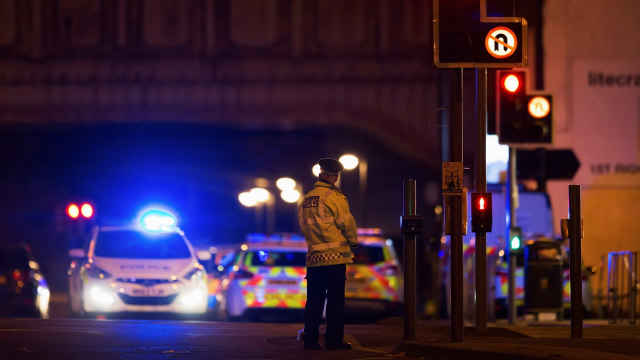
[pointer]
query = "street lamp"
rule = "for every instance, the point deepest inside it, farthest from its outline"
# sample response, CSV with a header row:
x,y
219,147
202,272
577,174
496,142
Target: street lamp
x,y
350,162
259,197
247,200
260,194
291,196
316,170
285,183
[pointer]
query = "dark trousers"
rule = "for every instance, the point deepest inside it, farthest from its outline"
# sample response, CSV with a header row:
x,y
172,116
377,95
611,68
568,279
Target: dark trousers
x,y
325,282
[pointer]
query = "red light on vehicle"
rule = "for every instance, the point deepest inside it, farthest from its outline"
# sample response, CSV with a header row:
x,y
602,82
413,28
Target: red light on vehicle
x,y
73,211
86,210
511,83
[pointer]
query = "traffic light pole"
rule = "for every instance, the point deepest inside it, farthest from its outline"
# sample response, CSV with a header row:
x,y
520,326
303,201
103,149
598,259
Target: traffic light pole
x,y
481,186
455,155
513,204
575,256
409,261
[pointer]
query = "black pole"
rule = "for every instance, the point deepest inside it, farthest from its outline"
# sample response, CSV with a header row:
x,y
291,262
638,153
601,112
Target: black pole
x,y
409,260
513,202
457,273
575,256
481,186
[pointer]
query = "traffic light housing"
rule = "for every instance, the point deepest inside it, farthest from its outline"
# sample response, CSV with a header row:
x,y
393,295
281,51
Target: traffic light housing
x,y
481,212
522,118
515,239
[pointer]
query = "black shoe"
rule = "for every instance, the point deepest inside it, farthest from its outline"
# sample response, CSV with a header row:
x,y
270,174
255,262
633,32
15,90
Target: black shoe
x,y
315,346
338,346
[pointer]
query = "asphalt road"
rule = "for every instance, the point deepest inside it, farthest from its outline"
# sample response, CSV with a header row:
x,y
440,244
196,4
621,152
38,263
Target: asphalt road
x,y
70,339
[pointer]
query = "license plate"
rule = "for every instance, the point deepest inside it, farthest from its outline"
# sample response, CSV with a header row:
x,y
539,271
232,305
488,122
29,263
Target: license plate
x,y
148,292
285,297
282,282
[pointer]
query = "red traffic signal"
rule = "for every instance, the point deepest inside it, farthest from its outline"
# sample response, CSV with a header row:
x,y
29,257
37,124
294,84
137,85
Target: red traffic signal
x,y
481,212
522,118
85,211
512,83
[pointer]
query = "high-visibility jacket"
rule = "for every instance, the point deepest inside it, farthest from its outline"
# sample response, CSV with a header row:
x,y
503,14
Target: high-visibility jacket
x,y
328,226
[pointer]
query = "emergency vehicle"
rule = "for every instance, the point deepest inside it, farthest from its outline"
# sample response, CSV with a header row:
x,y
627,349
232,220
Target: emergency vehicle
x,y
266,276
374,283
268,273
149,266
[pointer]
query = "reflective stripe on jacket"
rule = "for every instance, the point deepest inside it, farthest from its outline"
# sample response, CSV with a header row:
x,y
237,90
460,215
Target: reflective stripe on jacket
x,y
327,225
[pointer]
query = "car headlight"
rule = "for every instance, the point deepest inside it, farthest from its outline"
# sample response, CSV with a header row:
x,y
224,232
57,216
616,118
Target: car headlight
x,y
95,272
101,296
193,297
197,274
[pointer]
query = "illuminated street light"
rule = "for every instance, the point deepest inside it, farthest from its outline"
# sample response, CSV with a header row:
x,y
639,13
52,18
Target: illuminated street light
x,y
349,161
291,196
247,199
285,183
316,170
261,195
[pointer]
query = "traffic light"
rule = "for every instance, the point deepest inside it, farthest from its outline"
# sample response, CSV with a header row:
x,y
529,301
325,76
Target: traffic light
x,y
77,212
522,118
515,238
481,212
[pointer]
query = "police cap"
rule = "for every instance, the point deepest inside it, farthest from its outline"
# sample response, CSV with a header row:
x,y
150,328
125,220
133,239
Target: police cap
x,y
330,166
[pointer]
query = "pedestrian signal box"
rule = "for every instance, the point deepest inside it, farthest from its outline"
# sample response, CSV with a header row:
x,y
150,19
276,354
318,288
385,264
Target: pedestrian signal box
x,y
515,238
481,212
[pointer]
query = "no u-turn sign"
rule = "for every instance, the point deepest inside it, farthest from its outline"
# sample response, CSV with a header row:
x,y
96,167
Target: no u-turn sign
x,y
501,42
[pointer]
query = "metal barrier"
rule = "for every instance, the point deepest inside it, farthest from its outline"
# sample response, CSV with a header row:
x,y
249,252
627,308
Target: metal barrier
x,y
623,286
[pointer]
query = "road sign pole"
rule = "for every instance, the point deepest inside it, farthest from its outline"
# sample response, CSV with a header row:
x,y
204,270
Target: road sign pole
x,y
481,186
575,256
409,261
513,205
455,154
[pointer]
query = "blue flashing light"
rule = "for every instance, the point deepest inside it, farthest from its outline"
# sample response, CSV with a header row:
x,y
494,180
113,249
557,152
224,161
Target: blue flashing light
x,y
262,256
158,221
297,238
256,237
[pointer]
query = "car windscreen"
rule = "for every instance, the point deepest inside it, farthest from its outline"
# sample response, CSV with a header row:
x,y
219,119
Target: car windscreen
x,y
140,245
365,254
11,259
277,258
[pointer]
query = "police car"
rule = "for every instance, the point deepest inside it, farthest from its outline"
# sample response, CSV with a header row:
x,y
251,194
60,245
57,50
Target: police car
x,y
266,277
146,267
374,284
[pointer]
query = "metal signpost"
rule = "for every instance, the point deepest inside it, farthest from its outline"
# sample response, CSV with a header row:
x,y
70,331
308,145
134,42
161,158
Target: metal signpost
x,y
411,226
465,37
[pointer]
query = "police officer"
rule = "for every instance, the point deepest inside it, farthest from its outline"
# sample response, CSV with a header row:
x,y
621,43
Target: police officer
x,y
330,232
